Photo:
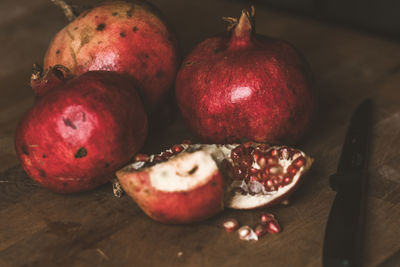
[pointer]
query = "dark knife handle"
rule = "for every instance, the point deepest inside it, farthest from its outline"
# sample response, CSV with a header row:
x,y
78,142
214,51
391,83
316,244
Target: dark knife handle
x,y
342,244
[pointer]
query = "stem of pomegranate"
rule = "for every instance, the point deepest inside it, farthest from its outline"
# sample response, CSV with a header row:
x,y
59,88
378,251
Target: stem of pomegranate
x,y
242,31
68,11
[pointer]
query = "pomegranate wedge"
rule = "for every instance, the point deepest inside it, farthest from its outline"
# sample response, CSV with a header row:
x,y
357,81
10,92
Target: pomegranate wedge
x,y
189,183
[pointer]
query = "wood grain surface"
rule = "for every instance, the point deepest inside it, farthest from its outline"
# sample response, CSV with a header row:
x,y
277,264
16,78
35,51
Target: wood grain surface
x,y
41,228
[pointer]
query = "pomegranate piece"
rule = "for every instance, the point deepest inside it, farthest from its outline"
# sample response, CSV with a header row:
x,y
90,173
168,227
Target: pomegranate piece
x,y
127,37
186,188
191,185
80,131
230,224
247,233
243,85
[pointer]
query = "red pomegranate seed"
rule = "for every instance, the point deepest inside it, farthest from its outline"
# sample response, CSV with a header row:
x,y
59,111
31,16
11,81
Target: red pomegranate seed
x,y
300,162
273,227
230,224
256,156
272,160
292,170
246,233
277,169
266,217
277,180
141,157
269,183
253,178
262,162
253,170
177,149
260,229
287,180
273,152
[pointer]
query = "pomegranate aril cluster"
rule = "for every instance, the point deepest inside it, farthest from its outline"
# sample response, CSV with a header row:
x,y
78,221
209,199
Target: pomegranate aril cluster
x,y
267,224
273,167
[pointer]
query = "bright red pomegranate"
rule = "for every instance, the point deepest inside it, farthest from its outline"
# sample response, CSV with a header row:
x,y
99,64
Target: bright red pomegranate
x,y
189,183
129,38
245,86
81,130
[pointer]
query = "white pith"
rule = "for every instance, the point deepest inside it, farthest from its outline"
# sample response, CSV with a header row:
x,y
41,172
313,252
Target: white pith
x,y
184,172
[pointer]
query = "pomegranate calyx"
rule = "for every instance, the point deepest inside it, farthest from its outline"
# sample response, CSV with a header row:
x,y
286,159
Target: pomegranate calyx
x,y
242,29
43,80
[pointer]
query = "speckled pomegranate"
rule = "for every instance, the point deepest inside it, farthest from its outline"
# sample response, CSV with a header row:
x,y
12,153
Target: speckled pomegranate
x,y
129,38
81,130
245,86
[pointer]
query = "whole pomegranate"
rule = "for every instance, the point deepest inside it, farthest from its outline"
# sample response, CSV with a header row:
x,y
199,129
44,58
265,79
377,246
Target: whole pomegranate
x,y
81,130
190,183
129,38
245,86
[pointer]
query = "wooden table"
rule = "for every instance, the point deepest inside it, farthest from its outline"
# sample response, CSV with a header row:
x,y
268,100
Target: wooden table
x,y
40,228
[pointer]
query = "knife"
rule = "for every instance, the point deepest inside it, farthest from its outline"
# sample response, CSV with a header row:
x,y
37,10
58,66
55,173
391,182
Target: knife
x,y
343,232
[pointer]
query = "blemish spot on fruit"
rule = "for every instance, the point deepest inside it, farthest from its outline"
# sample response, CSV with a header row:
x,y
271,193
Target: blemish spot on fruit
x,y
107,164
122,34
65,184
25,150
99,42
193,170
216,51
44,156
42,173
75,28
101,27
114,14
214,183
69,123
81,153
135,29
129,12
58,51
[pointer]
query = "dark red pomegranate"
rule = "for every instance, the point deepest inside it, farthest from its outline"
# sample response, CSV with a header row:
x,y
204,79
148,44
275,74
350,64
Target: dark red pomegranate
x,y
245,86
81,130
126,37
189,183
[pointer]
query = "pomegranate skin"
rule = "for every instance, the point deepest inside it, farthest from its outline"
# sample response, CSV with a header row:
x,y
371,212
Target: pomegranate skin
x,y
76,135
245,86
175,207
129,38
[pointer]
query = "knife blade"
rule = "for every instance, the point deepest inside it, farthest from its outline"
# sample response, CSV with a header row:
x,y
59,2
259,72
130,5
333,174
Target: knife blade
x,y
344,228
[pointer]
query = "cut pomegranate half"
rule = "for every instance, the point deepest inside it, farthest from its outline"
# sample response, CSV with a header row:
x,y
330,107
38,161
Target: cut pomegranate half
x,y
189,183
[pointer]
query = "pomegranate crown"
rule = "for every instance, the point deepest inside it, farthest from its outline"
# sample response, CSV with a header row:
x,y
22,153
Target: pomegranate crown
x,y
247,18
241,28
43,80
